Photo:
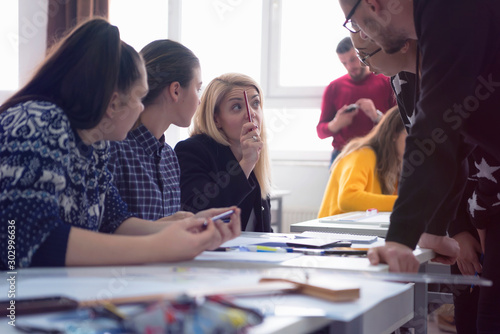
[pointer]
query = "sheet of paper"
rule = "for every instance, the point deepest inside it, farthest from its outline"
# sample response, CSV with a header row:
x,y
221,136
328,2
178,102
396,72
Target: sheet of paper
x,y
247,256
278,240
359,218
341,236
245,241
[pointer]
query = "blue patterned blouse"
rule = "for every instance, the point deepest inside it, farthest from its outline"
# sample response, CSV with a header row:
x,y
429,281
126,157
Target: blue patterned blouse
x,y
50,181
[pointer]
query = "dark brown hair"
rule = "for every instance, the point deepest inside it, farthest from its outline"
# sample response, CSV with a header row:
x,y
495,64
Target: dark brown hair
x,y
167,61
81,73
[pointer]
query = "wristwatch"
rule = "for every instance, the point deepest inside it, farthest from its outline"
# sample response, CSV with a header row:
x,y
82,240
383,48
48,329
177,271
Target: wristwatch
x,y
379,117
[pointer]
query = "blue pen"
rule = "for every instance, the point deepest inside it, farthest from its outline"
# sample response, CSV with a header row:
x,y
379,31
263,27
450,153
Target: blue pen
x,y
476,273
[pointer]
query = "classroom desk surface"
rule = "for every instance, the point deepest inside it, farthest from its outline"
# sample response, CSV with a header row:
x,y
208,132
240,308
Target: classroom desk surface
x,y
265,260
285,313
323,225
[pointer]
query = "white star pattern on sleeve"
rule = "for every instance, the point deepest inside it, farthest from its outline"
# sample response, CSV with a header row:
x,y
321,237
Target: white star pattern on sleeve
x,y
486,170
473,206
497,203
398,82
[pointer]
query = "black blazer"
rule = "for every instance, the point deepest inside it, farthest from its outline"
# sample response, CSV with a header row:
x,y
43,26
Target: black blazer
x,y
211,177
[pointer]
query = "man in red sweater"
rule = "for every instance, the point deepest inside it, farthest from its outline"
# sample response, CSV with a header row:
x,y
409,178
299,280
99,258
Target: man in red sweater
x,y
371,93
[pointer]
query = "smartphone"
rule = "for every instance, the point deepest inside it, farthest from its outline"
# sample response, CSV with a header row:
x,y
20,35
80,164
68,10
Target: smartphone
x,y
224,216
249,113
351,108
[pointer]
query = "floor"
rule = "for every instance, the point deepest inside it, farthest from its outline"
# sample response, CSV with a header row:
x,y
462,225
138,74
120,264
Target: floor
x,y
432,325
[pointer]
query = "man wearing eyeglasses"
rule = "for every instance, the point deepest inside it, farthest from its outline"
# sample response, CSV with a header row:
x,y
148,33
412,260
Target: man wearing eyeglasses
x,y
372,95
458,107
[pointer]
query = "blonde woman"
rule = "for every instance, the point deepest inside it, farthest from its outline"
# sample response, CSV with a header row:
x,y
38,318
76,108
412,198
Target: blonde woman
x,y
366,172
225,161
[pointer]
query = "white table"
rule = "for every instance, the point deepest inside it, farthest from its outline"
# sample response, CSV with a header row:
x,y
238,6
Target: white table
x,y
330,225
382,307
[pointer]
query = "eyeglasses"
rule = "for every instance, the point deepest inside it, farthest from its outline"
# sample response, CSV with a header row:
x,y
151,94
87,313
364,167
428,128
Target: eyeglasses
x,y
348,24
363,59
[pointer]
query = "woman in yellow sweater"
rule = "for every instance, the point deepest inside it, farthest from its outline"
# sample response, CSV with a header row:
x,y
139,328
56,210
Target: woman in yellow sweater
x,y
366,172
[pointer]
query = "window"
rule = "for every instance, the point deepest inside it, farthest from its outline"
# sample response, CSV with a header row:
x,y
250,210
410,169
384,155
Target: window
x,y
286,45
140,22
24,31
225,35
303,39
9,44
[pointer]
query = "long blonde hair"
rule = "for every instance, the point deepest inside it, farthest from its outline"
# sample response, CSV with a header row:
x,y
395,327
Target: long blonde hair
x,y
204,121
382,140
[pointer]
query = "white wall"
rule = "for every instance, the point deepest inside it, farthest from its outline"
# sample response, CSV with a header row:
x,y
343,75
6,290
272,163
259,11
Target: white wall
x,y
30,37
33,17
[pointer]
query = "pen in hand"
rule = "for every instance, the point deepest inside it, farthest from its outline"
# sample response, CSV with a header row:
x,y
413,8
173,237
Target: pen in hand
x,y
476,273
223,216
248,106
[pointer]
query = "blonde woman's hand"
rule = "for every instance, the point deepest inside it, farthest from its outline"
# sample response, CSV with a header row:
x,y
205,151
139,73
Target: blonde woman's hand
x,y
251,145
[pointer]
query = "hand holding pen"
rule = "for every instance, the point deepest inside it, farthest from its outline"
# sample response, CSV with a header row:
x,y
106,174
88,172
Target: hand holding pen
x,y
225,221
251,143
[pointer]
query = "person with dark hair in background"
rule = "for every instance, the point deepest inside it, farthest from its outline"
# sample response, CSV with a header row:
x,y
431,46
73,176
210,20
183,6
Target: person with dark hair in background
x,y
456,119
56,193
371,94
144,167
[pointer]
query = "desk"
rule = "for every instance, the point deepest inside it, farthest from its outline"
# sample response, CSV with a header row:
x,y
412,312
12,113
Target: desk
x,y
277,208
351,228
383,306
284,313
423,297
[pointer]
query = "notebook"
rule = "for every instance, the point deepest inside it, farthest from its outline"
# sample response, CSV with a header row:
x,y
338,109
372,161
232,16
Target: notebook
x,y
354,238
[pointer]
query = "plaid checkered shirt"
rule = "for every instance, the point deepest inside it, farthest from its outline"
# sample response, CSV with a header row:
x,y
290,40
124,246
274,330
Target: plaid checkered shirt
x,y
146,172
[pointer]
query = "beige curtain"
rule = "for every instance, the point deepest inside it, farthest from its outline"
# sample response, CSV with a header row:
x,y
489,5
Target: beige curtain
x,y
65,14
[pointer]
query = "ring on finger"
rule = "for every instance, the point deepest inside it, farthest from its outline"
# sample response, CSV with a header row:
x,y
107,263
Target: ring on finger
x,y
254,138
